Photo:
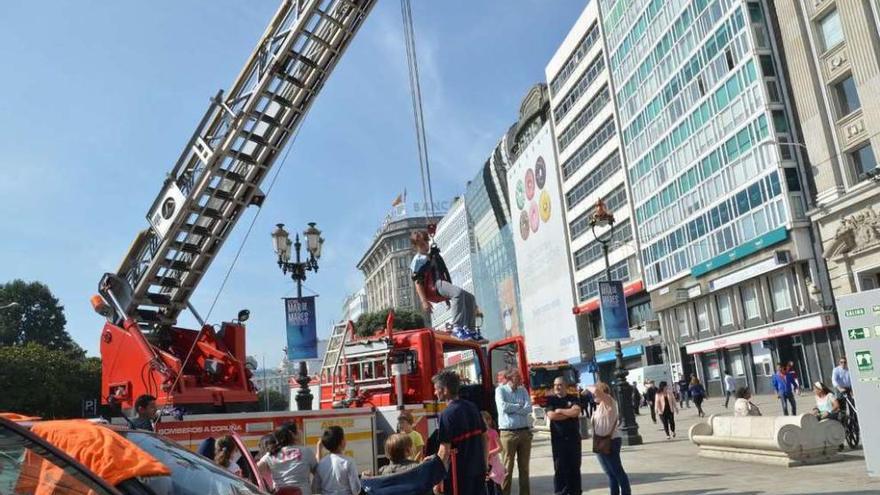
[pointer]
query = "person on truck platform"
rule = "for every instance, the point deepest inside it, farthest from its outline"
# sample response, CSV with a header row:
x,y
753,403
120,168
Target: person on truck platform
x,y
433,284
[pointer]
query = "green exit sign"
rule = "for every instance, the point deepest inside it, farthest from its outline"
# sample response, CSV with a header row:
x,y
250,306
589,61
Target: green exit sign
x,y
857,333
854,312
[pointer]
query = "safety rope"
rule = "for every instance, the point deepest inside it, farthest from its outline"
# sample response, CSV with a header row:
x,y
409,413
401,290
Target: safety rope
x,y
415,89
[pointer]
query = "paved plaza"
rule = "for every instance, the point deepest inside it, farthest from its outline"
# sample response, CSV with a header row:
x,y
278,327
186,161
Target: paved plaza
x,y
663,466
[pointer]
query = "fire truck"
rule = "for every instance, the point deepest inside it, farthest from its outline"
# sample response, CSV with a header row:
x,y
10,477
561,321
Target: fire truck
x,y
218,177
541,376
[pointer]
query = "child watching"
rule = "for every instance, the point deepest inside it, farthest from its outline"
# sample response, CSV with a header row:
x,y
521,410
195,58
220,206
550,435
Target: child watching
x,y
398,448
405,423
496,468
227,455
336,474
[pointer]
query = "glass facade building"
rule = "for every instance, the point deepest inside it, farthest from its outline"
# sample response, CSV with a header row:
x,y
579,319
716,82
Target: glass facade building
x,y
704,121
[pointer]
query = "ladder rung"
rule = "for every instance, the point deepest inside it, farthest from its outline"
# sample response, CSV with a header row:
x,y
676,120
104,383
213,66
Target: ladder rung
x,y
319,40
254,138
229,174
295,81
173,264
262,117
242,157
166,282
158,299
209,213
306,61
186,247
196,229
218,193
284,102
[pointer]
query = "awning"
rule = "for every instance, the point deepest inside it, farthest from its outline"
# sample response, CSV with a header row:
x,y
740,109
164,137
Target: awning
x,y
770,331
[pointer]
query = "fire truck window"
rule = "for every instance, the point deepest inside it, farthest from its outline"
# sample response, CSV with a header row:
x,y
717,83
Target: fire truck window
x,y
502,358
465,363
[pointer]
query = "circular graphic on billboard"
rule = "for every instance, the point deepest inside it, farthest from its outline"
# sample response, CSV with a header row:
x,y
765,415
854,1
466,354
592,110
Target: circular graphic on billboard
x,y
520,195
540,172
524,224
544,206
530,184
534,220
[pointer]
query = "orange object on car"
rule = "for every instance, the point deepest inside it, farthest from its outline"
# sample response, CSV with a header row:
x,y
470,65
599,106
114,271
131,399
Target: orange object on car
x,y
103,451
18,418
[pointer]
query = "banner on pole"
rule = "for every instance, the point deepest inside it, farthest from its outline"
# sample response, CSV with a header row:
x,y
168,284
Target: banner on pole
x,y
612,307
302,330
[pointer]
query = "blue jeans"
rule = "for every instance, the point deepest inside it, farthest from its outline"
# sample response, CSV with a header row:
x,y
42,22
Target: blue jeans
x,y
786,400
618,481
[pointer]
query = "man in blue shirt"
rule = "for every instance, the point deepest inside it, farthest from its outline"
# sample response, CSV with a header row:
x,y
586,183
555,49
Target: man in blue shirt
x,y
840,377
783,383
514,407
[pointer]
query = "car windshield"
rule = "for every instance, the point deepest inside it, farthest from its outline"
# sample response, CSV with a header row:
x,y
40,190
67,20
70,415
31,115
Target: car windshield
x,y
191,474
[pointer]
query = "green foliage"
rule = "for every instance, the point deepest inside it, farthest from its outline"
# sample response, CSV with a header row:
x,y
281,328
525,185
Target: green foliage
x,y
45,382
404,319
277,400
38,317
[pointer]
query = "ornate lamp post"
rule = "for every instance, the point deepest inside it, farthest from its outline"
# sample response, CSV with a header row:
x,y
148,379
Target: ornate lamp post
x,y
622,389
297,269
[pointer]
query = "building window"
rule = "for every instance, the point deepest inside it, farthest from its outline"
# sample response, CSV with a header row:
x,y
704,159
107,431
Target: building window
x,y
750,301
832,32
725,312
847,97
681,319
863,161
702,316
779,292
640,313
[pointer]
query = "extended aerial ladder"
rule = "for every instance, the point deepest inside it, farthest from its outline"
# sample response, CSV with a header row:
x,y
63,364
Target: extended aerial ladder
x,y
216,178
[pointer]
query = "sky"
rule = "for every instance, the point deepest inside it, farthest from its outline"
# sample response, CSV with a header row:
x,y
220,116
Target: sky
x,y
99,98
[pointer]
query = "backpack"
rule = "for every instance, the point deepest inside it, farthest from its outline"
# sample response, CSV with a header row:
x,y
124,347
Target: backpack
x,y
435,271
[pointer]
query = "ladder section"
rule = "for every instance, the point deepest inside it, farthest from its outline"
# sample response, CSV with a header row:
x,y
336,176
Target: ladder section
x,y
219,173
330,363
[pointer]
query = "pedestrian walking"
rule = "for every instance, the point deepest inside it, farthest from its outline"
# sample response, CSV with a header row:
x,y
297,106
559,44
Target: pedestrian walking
x,y
697,393
588,402
144,413
460,428
683,397
607,441
650,398
798,388
743,405
563,411
514,407
729,387
666,408
636,398
783,383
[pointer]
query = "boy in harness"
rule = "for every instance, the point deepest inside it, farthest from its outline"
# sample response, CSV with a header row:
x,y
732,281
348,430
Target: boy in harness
x,y
433,285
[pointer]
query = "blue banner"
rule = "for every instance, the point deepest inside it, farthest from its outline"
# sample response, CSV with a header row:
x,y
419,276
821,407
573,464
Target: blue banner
x,y
302,330
612,308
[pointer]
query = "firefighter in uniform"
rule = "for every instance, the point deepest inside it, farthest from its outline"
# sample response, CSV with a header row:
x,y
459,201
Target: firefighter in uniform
x,y
563,411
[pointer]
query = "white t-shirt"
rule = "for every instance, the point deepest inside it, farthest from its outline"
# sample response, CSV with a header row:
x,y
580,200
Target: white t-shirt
x,y
292,466
337,475
729,383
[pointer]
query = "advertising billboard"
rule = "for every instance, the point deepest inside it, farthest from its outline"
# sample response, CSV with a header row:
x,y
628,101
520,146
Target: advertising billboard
x,y
302,330
541,256
612,306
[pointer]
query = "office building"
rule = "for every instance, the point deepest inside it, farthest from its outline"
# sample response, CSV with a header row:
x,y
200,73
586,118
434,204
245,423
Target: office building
x,y
454,239
354,305
832,52
386,266
493,261
591,167
729,256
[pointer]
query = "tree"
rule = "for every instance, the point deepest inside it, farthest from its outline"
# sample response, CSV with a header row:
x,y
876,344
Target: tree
x,y
49,383
277,400
38,317
404,319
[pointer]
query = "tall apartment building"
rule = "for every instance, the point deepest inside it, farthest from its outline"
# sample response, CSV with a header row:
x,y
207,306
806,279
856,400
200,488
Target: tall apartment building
x,y
388,280
591,167
454,239
354,305
728,251
832,51
493,261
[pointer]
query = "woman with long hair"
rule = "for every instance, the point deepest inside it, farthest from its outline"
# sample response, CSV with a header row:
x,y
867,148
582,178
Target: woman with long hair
x,y
827,405
743,405
665,406
288,464
607,441
227,454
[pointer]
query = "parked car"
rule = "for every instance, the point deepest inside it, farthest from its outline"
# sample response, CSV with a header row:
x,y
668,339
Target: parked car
x,y
79,457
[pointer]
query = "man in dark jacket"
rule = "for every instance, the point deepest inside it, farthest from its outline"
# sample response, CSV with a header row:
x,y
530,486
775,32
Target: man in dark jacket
x,y
683,395
563,411
650,397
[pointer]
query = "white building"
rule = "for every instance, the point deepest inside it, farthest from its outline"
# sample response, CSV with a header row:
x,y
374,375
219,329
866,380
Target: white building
x,y
354,305
455,241
591,167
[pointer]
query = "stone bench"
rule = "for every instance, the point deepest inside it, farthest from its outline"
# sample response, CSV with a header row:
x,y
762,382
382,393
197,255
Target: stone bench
x,y
779,440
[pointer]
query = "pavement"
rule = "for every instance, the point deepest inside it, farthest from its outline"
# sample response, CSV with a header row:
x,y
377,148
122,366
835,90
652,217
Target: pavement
x,y
661,466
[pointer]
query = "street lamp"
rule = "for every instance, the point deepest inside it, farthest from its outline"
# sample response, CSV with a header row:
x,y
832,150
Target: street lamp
x,y
297,269
601,218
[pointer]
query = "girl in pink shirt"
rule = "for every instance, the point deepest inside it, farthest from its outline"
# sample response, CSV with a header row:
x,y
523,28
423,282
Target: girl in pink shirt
x,y
496,467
